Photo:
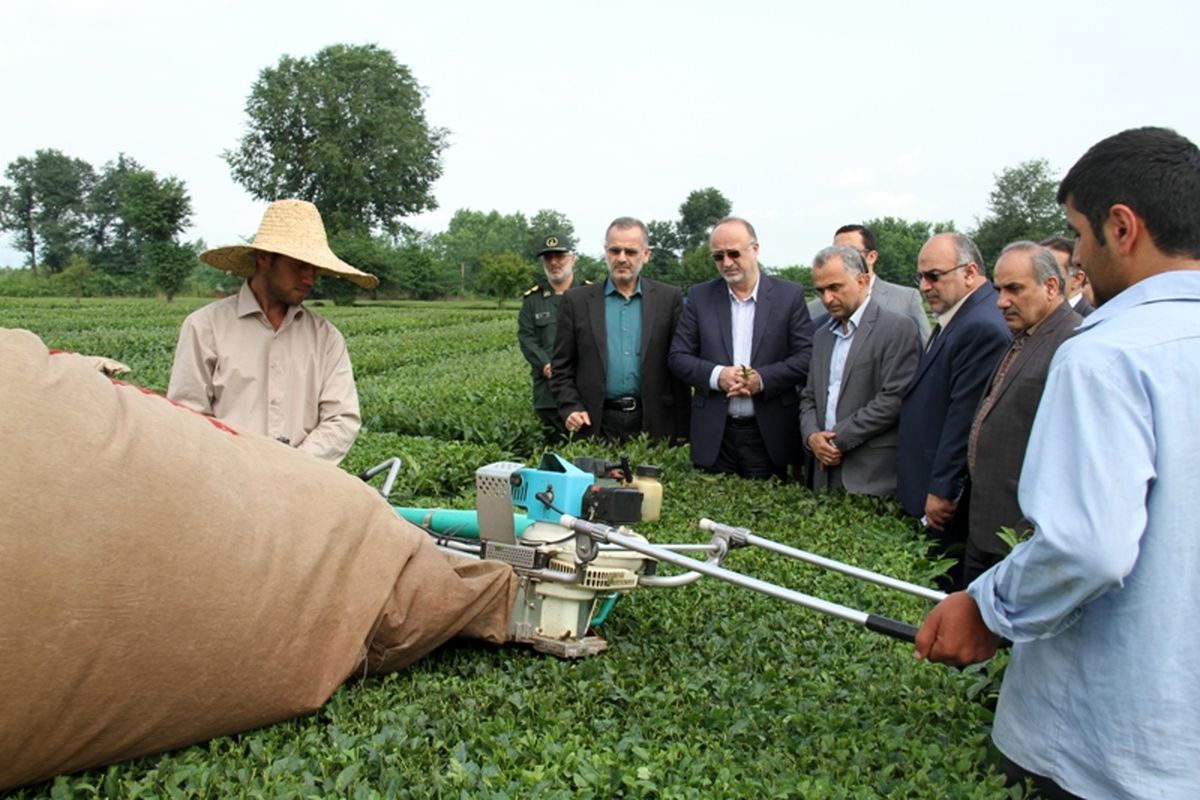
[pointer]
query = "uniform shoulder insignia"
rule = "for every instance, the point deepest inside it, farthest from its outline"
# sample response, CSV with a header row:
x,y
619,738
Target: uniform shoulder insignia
x,y
531,290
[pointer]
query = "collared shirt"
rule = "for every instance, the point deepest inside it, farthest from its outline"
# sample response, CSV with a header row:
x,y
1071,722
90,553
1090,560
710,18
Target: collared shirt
x,y
1100,694
295,382
1074,299
842,339
741,313
623,341
944,318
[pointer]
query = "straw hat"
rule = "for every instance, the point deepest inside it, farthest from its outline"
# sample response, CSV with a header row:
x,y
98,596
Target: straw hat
x,y
291,228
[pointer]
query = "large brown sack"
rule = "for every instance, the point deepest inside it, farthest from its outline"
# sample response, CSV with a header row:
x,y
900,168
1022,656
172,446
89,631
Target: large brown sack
x,y
164,580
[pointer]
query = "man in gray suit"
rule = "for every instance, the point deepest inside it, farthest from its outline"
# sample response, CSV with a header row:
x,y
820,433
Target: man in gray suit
x,y
904,300
1030,282
863,359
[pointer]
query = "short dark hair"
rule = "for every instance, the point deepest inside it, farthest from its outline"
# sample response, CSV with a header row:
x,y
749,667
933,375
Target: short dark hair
x,y
624,224
1154,171
868,236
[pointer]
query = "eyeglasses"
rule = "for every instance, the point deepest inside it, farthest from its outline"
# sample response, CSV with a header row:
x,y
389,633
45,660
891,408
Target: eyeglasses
x,y
615,251
934,275
719,256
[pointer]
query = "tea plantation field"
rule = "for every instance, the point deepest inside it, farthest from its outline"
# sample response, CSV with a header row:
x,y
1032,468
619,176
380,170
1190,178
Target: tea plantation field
x,y
706,691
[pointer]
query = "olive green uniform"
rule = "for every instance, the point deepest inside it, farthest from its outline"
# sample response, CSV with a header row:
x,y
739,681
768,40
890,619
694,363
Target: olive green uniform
x,y
536,326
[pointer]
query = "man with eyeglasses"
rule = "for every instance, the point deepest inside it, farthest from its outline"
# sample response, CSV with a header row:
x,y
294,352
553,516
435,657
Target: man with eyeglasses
x,y
939,404
743,344
537,324
902,299
609,368
1029,282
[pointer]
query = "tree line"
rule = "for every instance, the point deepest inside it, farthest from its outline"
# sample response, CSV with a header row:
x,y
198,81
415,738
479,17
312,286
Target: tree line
x,y
346,130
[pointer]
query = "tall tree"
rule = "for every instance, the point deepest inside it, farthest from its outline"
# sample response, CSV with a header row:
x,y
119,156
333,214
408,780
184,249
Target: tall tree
x,y
473,234
504,275
45,208
421,276
135,220
899,243
667,248
1021,206
345,130
702,209
110,240
168,265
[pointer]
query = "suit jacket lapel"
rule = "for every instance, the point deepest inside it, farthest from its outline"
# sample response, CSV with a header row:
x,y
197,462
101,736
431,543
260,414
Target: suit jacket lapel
x,y
1031,348
720,307
964,311
596,313
762,314
881,290
866,324
649,297
821,355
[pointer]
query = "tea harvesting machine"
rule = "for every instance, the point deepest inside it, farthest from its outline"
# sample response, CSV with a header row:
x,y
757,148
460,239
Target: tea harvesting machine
x,y
564,529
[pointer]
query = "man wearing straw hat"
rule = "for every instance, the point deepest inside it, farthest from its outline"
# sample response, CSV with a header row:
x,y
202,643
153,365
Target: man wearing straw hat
x,y
260,360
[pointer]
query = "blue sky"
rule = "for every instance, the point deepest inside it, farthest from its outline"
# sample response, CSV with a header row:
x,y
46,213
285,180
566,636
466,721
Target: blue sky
x,y
805,117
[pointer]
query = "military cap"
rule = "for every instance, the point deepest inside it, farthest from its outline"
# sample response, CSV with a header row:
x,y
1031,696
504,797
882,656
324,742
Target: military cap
x,y
555,243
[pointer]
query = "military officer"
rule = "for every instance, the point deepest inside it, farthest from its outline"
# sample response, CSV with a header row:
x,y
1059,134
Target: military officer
x,y
537,323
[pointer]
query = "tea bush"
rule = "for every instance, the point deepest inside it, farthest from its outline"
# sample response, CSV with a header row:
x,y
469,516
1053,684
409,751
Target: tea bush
x,y
706,691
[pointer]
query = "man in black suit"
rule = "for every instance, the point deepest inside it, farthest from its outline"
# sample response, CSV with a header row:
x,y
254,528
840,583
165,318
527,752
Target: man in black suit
x,y
1028,278
936,414
609,369
743,344
1064,253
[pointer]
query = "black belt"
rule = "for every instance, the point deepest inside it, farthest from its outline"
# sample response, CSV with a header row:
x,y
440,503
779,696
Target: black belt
x,y
622,403
741,422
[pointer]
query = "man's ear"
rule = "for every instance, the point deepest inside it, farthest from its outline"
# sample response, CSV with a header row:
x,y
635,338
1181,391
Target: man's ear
x,y
1124,227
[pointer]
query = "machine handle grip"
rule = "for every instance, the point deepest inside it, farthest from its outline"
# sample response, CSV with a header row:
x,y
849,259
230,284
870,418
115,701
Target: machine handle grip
x,y
890,627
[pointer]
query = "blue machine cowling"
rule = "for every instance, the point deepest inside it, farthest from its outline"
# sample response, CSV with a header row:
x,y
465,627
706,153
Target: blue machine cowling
x,y
561,483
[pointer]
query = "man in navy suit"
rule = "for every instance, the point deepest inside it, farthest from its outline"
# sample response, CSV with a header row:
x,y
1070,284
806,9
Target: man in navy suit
x,y
935,417
743,343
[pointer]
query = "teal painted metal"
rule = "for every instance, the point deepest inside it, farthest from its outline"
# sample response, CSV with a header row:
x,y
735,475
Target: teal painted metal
x,y
453,521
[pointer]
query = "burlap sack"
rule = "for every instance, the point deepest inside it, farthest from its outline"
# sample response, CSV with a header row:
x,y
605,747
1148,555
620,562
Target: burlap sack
x,y
164,580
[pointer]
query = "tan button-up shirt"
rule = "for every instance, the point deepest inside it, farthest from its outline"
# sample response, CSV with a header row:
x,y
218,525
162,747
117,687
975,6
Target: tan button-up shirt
x,y
294,383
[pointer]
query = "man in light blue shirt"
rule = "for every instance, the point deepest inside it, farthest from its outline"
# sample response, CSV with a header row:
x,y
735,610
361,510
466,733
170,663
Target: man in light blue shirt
x,y
1100,697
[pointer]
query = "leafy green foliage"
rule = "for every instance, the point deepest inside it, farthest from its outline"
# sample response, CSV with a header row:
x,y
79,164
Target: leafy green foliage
x,y
899,244
345,130
124,223
504,275
796,274
705,691
702,209
1021,206
46,206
